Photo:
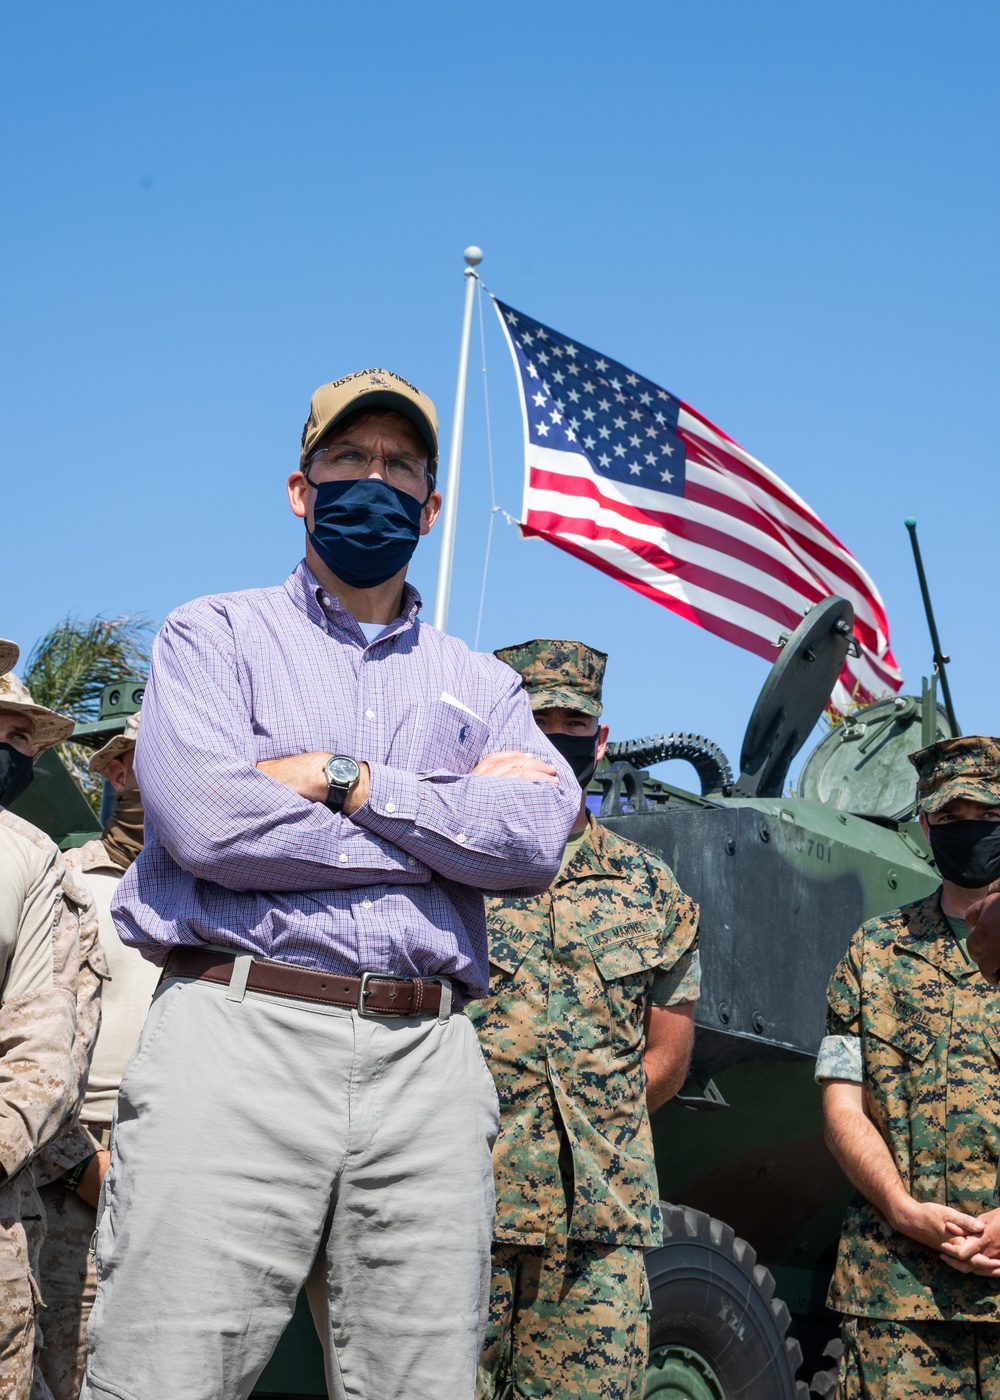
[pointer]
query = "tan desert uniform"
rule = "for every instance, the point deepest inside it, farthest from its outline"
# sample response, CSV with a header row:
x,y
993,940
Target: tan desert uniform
x,y
68,1266
39,1074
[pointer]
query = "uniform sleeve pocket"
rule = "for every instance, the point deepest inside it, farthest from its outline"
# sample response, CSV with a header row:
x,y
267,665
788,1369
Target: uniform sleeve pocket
x,y
625,950
906,1028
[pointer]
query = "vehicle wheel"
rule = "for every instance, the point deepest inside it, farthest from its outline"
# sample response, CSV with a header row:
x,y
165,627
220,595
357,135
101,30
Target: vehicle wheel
x,y
824,1383
717,1331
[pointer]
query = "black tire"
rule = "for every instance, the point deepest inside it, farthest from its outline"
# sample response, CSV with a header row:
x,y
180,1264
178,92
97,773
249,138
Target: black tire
x,y
714,1310
823,1385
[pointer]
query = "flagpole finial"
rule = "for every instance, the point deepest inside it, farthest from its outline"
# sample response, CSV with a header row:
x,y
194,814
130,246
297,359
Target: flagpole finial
x,y
473,255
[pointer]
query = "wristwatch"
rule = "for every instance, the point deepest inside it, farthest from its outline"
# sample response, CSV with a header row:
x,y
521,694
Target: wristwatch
x,y
341,775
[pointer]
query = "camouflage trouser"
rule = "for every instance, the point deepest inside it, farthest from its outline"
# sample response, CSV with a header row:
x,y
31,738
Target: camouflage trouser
x,y
947,1360
20,1213
569,1321
69,1281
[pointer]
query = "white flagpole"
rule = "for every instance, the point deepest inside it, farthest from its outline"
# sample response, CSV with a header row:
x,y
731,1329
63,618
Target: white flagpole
x,y
449,514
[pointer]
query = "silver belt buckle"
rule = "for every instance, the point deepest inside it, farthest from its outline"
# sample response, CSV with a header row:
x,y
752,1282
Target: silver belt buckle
x,y
366,977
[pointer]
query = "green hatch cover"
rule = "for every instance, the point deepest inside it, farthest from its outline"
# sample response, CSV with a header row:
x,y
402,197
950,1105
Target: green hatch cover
x,y
862,766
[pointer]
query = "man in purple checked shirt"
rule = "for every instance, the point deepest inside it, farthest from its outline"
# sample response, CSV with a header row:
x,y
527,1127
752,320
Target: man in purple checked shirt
x,y
330,786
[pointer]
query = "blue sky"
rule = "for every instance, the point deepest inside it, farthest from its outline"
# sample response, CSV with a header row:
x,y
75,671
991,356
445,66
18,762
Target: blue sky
x,y
786,213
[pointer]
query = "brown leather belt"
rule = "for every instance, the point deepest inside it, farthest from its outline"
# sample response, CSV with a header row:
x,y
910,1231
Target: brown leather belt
x,y
371,994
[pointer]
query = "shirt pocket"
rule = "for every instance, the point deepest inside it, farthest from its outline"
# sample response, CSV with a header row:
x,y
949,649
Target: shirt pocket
x,y
627,957
906,1028
508,947
448,739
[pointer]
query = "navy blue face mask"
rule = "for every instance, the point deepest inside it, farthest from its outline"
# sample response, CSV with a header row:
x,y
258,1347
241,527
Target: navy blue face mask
x,y
366,530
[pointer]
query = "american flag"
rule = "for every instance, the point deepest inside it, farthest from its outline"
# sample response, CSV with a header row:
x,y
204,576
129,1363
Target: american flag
x,y
632,480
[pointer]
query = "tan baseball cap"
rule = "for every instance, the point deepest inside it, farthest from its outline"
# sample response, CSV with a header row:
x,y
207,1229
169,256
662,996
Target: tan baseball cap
x,y
368,388
114,748
48,728
9,652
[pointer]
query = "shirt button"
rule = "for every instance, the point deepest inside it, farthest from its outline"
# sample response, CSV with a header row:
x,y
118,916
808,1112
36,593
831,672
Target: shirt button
x,y
460,838
343,857
369,714
390,806
411,860
366,904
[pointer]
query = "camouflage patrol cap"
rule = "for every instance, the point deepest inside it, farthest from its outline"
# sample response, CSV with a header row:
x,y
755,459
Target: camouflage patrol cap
x,y
559,675
115,747
47,727
368,389
966,767
9,652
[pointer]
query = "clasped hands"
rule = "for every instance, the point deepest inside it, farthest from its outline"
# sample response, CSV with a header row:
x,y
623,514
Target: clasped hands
x,y
305,773
969,1243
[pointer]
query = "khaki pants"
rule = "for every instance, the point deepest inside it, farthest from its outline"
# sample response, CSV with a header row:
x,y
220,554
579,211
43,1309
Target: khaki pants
x,y
946,1360
69,1280
568,1321
264,1142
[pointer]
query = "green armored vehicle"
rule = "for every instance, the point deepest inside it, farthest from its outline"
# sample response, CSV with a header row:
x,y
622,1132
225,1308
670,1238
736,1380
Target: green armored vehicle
x,y
753,1200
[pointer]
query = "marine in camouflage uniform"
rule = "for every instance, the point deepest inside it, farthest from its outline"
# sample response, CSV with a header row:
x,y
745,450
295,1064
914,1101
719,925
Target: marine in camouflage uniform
x,y
41,1073
912,1020
575,974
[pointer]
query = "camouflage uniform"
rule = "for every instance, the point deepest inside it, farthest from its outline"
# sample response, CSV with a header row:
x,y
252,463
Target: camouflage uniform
x,y
913,1019
68,1265
38,1076
572,974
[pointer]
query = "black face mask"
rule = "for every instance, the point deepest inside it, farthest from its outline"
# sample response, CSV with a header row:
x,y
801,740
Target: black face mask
x,y
16,772
967,853
579,751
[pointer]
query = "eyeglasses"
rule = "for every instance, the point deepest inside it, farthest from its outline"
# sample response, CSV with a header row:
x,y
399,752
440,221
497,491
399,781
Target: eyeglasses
x,y
351,464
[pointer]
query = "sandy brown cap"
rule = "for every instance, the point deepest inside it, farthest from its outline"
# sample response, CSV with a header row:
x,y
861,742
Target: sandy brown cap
x,y
9,652
559,675
114,748
48,728
374,389
965,767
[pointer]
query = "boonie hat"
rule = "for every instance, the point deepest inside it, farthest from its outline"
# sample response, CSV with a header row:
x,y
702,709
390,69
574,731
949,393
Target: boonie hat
x,y
559,675
48,727
965,767
115,747
368,389
9,652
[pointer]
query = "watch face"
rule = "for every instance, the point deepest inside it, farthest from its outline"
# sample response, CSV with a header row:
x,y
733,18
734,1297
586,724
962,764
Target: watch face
x,y
342,771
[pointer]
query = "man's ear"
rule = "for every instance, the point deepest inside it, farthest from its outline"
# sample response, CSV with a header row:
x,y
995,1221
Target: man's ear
x,y
430,512
602,741
116,773
925,825
298,494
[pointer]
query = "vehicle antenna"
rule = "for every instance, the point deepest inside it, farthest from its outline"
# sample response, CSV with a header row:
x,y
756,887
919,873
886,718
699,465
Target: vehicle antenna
x,y
940,660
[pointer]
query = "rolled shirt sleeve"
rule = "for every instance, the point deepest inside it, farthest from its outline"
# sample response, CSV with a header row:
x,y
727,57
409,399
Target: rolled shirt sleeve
x,y
840,1050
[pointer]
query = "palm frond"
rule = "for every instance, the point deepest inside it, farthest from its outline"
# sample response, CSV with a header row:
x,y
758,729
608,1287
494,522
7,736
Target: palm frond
x,y
70,666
